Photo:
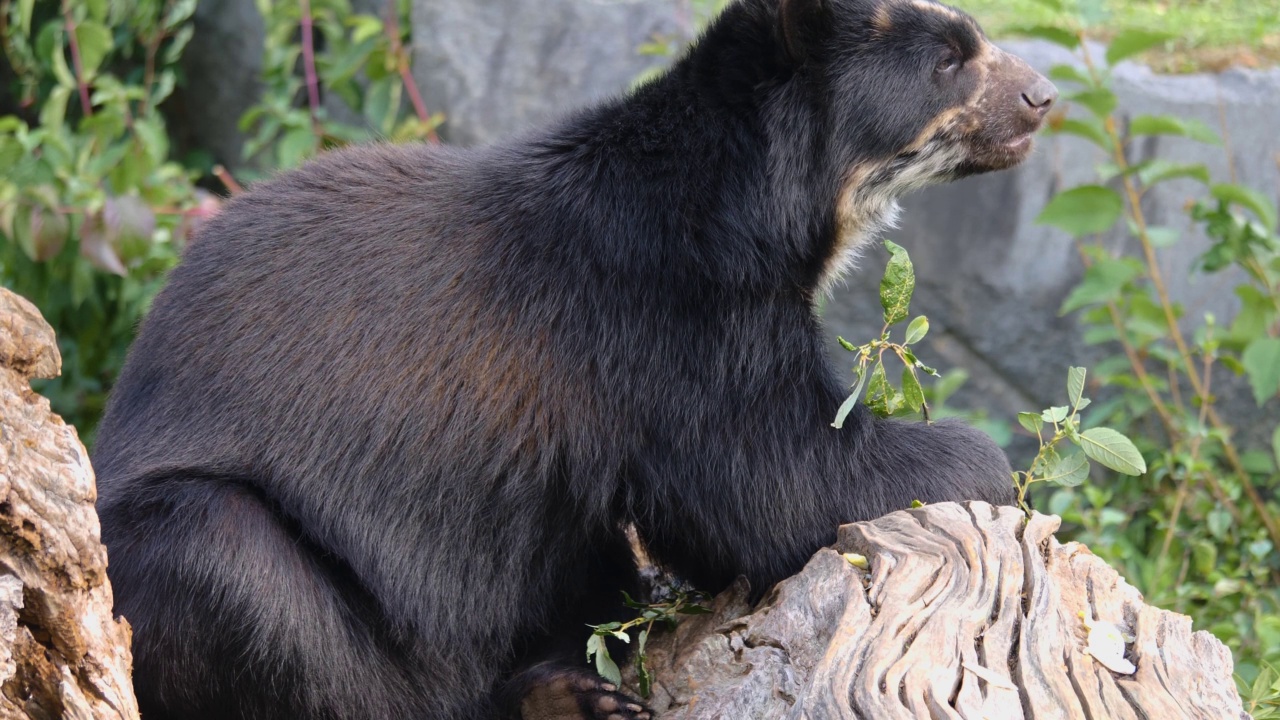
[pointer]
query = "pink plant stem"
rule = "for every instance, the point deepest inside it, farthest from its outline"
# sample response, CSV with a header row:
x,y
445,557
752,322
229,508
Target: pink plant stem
x,y
75,60
309,64
406,75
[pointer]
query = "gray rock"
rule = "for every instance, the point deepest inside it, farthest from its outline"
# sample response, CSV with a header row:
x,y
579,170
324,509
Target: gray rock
x,y
495,67
992,281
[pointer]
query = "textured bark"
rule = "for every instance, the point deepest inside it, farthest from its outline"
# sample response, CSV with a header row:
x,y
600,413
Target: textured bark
x,y
965,612
62,655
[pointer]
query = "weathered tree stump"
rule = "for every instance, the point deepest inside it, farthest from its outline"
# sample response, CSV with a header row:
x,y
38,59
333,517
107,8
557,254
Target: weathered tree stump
x,y
62,655
966,611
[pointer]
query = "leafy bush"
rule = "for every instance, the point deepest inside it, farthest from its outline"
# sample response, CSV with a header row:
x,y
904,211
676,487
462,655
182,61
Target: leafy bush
x,y
94,210
1198,531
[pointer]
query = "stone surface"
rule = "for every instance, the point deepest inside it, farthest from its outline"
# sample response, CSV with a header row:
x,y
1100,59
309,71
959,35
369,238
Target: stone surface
x,y
495,67
992,281
965,611
62,654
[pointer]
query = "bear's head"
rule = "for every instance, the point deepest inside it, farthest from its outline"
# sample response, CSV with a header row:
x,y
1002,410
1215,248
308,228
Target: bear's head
x,y
919,92
909,93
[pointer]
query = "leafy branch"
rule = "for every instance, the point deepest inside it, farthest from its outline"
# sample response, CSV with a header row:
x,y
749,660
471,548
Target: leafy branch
x,y
1070,467
667,612
896,288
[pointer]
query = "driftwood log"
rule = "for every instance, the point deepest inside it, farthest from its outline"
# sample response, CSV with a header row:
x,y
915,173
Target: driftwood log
x,y
62,655
964,611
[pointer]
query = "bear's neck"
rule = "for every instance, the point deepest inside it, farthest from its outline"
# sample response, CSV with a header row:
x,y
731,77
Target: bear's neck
x,y
721,171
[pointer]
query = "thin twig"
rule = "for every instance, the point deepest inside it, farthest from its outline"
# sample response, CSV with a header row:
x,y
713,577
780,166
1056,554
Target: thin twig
x,y
75,59
227,180
405,68
309,64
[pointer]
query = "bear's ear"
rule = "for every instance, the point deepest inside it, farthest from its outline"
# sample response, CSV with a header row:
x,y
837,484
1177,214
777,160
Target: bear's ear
x,y
801,24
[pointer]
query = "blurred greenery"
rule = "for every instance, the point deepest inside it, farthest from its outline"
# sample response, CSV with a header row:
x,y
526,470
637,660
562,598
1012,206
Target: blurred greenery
x,y
1204,34
94,208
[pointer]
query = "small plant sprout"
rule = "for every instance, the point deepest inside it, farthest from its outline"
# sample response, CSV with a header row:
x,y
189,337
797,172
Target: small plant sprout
x,y
679,603
883,398
1064,455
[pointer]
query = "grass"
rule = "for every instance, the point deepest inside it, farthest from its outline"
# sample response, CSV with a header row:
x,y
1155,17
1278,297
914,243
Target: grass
x,y
1207,34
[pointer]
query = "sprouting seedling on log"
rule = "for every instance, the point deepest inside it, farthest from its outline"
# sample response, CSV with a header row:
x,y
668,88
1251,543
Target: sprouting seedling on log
x,y
1061,463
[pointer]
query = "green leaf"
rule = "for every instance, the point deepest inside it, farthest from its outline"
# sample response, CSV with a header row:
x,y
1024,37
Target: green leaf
x,y
1100,101
1031,421
94,41
1056,35
1162,236
1247,197
847,406
846,344
1160,170
917,330
1113,450
1075,385
1055,414
296,146
1131,42
1169,125
58,61
54,110
1068,469
1261,361
378,102
1219,522
1102,283
879,394
1070,73
1083,210
605,665
1089,128
911,390
897,285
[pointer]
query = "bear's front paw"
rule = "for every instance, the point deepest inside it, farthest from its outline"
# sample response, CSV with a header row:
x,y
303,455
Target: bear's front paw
x,y
572,694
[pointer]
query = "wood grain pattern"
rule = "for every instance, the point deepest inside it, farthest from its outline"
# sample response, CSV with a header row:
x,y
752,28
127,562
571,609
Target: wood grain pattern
x,y
966,611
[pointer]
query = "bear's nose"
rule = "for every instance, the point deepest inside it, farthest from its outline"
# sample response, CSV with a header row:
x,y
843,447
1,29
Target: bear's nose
x,y
1040,96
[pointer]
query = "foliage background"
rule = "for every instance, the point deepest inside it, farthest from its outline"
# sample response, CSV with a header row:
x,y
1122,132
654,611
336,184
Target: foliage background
x,y
96,205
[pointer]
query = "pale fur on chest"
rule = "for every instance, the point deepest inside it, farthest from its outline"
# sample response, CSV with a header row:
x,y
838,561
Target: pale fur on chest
x,y
868,205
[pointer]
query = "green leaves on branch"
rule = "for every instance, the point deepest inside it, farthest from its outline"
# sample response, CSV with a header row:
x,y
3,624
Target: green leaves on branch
x,y
1064,456
883,399
666,611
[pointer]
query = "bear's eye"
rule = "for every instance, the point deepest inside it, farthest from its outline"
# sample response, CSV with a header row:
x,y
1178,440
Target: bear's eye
x,y
949,62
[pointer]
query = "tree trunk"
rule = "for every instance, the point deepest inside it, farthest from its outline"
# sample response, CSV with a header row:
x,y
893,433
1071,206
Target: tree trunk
x,y
62,655
966,611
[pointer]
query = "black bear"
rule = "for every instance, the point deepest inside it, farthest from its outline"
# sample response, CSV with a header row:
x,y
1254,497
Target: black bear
x,y
373,452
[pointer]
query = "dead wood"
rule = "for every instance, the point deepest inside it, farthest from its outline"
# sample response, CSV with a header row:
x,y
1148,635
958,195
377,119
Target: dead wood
x,y
62,655
965,611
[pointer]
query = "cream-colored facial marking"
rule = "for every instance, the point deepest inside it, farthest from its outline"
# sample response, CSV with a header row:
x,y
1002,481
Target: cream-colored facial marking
x,y
935,7
868,203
